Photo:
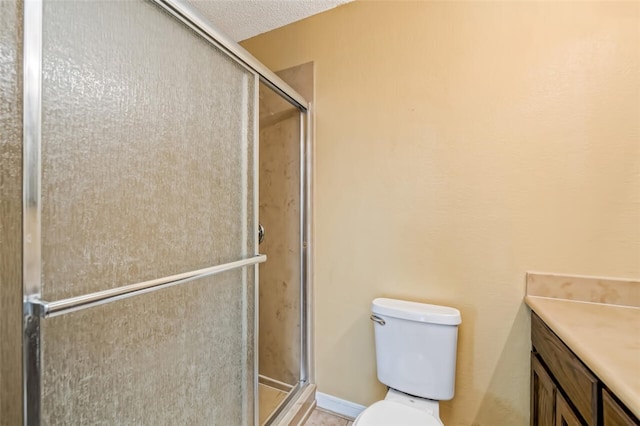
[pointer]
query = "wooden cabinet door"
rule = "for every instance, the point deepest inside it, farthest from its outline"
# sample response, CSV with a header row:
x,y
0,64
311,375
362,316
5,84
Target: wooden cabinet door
x,y
613,414
542,395
565,416
569,373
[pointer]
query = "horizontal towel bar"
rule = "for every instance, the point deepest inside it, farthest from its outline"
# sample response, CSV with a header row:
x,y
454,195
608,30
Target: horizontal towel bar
x,y
51,309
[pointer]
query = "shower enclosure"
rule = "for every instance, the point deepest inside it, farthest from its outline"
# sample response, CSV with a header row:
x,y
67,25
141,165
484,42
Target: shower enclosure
x,y
130,199
283,334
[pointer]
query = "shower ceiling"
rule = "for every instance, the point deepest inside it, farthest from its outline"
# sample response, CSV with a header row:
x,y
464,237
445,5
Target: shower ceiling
x,y
243,19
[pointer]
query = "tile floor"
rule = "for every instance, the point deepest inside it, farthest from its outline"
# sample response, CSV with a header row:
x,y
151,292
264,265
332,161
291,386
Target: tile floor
x,y
320,417
269,399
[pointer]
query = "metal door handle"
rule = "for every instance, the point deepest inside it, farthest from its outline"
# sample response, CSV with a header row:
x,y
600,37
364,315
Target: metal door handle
x,y
260,233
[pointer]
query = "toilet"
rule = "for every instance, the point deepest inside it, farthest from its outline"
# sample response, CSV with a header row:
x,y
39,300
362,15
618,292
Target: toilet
x,y
416,347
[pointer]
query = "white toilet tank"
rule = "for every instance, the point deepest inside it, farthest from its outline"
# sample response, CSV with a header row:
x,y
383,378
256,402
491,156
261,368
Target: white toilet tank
x,y
416,347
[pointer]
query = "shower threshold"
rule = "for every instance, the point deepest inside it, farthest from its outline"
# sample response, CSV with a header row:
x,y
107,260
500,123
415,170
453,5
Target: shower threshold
x,y
284,404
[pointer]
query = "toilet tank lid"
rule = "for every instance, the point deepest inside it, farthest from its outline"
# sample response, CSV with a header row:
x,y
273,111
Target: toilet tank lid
x,y
415,311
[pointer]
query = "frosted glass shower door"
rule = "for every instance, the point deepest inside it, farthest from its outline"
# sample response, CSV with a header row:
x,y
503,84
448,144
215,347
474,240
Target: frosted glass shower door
x,y
147,172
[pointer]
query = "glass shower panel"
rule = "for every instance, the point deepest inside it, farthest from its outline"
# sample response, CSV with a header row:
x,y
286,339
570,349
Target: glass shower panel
x,y
172,357
147,167
10,212
279,213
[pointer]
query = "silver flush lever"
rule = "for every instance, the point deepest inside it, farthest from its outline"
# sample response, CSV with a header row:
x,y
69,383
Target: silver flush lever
x,y
260,233
377,319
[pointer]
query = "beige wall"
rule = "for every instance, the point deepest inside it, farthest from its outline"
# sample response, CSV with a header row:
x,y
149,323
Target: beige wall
x,y
458,145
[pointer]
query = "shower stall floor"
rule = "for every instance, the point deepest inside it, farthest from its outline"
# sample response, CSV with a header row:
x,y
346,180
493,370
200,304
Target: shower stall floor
x,y
269,399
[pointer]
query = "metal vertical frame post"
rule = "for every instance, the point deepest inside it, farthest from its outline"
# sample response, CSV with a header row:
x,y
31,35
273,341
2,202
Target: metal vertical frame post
x,y
256,211
31,208
32,120
309,244
304,367
248,406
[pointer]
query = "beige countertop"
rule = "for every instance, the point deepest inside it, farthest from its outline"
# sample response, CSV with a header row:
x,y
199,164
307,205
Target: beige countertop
x,y
605,337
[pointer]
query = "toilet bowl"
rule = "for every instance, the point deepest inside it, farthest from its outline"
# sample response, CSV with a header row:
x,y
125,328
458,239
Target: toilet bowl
x,y
401,410
416,346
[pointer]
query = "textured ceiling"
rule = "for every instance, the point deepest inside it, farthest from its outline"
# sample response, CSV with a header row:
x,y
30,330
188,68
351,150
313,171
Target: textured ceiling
x,y
243,19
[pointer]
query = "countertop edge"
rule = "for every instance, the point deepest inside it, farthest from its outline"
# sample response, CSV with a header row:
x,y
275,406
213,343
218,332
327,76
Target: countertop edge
x,y
624,393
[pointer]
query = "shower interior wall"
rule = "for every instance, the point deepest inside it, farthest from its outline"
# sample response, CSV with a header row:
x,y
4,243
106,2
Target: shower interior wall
x,y
280,291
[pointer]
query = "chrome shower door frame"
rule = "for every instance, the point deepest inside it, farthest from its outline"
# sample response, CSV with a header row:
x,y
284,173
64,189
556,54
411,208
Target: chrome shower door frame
x,y
31,209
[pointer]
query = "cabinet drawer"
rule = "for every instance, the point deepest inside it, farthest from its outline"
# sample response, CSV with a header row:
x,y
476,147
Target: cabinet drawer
x,y
613,414
577,382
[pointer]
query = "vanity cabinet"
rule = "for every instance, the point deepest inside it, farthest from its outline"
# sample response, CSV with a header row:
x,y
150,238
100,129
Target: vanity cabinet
x,y
548,406
564,392
565,416
543,395
614,413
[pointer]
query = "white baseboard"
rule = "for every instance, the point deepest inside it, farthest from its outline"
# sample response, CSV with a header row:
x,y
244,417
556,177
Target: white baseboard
x,y
339,406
